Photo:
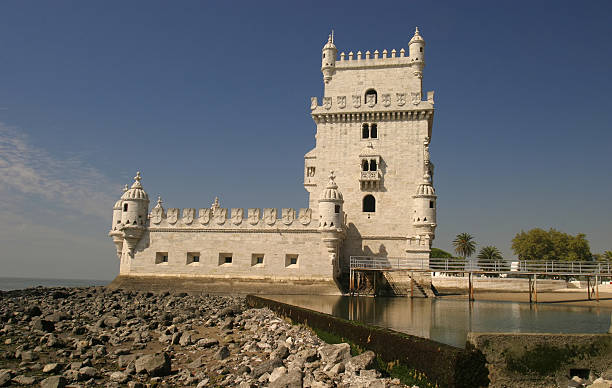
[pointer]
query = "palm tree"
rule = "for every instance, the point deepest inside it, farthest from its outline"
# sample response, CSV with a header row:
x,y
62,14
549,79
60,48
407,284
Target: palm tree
x,y
488,256
464,244
607,255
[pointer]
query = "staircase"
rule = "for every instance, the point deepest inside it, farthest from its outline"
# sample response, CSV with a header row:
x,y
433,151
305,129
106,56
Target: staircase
x,y
399,282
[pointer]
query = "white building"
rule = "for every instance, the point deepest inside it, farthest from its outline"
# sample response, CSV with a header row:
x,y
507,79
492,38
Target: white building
x,y
373,133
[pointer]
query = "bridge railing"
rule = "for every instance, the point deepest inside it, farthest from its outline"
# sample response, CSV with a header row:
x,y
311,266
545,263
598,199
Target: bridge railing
x,y
554,267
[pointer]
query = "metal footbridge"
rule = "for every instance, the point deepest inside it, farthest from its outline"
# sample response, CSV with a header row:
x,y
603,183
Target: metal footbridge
x,y
530,269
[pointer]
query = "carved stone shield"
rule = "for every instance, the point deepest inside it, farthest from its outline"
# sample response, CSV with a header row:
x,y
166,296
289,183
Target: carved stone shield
x,y
173,214
254,215
371,100
416,97
386,99
401,99
204,216
188,215
305,216
288,215
341,102
327,102
356,101
270,216
220,215
313,103
157,214
237,214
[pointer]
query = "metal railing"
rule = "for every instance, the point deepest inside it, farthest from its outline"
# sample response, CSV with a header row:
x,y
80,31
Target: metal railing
x,y
556,267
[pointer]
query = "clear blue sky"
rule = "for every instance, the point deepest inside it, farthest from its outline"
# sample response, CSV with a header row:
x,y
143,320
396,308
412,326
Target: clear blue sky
x,y
211,98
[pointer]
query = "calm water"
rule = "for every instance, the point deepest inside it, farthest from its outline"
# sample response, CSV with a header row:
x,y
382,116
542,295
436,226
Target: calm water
x,y
449,321
7,284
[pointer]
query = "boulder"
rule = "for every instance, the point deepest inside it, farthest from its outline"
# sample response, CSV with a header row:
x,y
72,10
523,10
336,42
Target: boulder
x,y
43,324
265,367
222,353
281,352
52,368
293,379
157,364
333,354
365,360
5,377
53,382
207,342
119,377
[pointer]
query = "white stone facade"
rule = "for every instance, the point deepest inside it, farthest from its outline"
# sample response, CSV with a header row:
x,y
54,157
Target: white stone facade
x,y
373,133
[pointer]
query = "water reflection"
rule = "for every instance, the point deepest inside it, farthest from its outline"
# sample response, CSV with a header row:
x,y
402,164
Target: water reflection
x,y
449,321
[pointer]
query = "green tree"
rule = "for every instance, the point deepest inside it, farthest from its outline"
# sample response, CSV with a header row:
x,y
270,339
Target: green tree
x,y
439,253
490,257
464,244
607,255
539,244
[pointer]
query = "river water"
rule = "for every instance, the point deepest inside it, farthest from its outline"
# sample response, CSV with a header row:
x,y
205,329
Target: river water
x,y
448,321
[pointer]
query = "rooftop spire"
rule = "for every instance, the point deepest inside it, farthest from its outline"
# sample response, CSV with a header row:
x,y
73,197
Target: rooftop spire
x,y
137,179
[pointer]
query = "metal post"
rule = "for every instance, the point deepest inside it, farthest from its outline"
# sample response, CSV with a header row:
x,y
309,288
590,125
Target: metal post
x,y
351,281
411,285
530,289
375,276
596,288
470,287
535,287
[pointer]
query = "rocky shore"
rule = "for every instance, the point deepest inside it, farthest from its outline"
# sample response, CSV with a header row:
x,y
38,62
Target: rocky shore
x,y
77,337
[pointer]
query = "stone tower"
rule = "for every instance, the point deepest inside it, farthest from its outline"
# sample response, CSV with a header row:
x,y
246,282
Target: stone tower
x,y
373,130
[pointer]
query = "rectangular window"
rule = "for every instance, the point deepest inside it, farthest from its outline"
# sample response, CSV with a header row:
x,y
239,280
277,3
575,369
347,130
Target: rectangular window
x,y
431,204
337,209
291,261
161,258
225,258
193,257
257,259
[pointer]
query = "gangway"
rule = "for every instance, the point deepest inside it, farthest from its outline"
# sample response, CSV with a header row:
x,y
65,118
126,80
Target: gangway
x,y
531,269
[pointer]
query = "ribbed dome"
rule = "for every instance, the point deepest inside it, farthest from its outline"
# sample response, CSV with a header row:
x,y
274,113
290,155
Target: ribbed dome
x,y
417,37
330,42
426,188
117,205
136,191
331,193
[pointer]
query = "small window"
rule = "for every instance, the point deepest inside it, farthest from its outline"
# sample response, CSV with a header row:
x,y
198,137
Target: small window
x,y
431,204
365,131
225,258
257,259
196,259
291,261
369,204
421,49
193,257
337,209
364,165
371,92
161,258
125,207
372,165
374,131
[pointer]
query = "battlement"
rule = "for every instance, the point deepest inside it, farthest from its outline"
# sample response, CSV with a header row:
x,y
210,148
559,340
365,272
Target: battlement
x,y
410,103
235,218
384,58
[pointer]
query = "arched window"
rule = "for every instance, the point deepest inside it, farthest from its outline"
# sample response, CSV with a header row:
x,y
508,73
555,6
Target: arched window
x,y
369,204
374,131
371,92
365,131
364,165
125,207
372,165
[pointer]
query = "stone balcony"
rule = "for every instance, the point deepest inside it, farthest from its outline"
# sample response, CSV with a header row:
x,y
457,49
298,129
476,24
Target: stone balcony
x,y
370,180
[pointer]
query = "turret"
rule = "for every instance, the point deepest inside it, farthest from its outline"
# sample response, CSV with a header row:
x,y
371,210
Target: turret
x,y
424,220
115,232
416,48
328,59
331,215
117,212
135,204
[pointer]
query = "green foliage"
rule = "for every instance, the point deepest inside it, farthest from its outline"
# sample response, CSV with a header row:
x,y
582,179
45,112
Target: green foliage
x,y
607,255
439,253
538,244
546,359
464,244
490,257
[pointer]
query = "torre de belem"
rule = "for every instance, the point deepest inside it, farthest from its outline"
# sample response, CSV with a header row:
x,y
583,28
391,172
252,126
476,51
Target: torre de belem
x,y
369,180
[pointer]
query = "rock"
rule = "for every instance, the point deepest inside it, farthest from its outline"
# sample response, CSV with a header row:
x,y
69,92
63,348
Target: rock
x,y
112,321
43,324
600,384
365,360
24,380
185,340
5,377
207,342
87,372
125,359
119,377
52,368
281,352
135,384
293,379
222,353
333,354
53,382
157,364
28,355
277,372
197,363
265,367
336,369
607,375
33,311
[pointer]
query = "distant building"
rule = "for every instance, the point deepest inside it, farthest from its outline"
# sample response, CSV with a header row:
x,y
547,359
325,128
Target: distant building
x,y
373,133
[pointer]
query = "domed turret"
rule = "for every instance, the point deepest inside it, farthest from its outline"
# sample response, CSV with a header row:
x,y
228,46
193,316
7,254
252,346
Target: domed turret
x,y
417,53
330,206
117,212
135,204
425,207
328,59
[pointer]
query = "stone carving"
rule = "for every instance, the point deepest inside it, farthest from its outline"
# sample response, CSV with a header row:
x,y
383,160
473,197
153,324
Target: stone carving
x,y
158,212
215,205
254,215
327,102
386,99
313,103
371,100
416,97
237,214
401,99
356,101
188,215
220,215
426,150
270,216
341,102
204,216
288,215
173,214
305,215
